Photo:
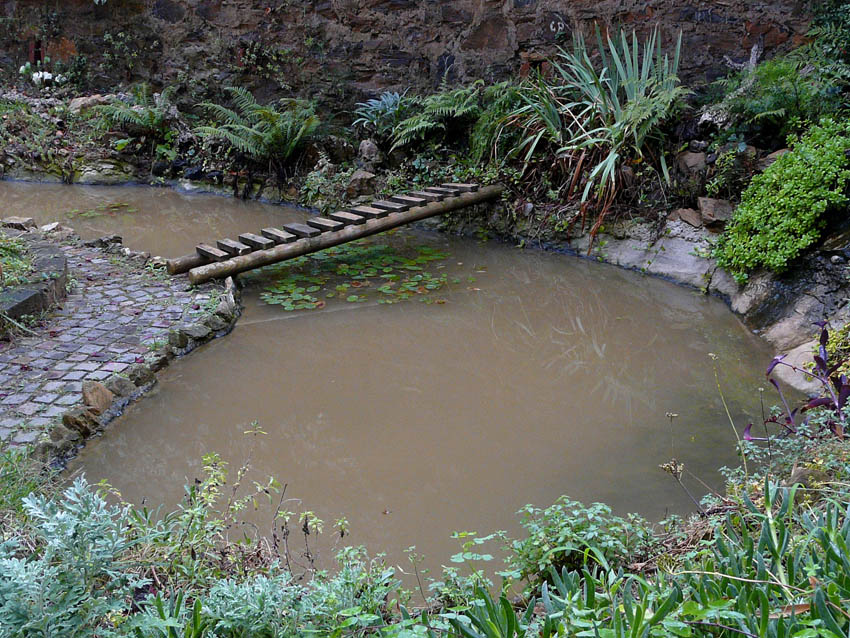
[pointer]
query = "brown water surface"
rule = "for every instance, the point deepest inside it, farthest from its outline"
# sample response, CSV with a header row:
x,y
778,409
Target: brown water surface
x,y
162,221
540,375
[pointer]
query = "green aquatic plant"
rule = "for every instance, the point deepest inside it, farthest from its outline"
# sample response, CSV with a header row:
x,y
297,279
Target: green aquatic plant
x,y
355,272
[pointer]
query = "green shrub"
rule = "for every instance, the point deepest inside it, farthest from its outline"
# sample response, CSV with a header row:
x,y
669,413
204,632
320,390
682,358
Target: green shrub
x,y
559,536
148,113
782,211
77,577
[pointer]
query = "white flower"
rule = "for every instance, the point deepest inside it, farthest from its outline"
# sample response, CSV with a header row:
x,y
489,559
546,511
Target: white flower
x,y
41,76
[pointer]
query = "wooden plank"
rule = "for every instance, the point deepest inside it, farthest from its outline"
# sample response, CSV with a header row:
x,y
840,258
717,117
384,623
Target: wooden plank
x,y
463,188
325,225
204,272
369,213
393,207
278,236
234,248
347,218
431,197
256,242
439,190
409,200
211,252
302,230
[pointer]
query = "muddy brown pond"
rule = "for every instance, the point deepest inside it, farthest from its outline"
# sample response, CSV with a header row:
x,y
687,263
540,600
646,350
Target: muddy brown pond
x,y
529,376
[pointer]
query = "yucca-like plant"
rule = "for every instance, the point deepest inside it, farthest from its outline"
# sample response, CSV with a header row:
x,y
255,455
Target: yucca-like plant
x,y
597,116
259,133
437,113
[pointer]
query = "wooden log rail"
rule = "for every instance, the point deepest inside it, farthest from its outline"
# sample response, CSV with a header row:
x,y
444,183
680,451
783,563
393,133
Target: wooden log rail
x,y
201,271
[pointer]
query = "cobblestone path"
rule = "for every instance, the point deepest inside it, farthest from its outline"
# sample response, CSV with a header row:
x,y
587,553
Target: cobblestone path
x,y
114,314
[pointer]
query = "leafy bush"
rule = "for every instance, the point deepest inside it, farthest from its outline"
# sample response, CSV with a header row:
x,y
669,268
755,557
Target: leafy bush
x,y
261,133
78,576
782,211
560,535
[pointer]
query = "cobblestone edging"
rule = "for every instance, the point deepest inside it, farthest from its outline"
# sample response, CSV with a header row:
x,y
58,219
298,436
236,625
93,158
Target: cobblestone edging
x,y
123,320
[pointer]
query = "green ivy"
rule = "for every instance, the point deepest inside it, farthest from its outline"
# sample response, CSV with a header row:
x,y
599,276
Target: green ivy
x,y
782,212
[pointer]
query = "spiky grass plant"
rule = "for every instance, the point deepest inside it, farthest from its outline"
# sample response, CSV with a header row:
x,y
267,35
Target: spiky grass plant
x,y
593,118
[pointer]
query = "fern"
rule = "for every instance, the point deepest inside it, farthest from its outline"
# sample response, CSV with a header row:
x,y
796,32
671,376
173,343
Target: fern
x,y
261,133
499,100
149,114
437,113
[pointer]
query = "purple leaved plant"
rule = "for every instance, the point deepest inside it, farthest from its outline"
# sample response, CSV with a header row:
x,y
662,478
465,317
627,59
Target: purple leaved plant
x,y
833,396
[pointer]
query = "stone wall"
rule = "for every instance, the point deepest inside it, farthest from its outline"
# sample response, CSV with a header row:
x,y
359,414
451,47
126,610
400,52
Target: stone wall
x,y
345,49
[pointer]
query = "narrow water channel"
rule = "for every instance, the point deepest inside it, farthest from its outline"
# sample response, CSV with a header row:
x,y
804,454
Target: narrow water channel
x,y
536,375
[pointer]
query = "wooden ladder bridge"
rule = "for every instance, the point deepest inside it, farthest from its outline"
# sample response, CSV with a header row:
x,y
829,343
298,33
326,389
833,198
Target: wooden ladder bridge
x,y
273,245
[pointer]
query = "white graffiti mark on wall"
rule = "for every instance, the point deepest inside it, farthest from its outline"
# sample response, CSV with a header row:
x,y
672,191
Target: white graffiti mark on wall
x,y
557,24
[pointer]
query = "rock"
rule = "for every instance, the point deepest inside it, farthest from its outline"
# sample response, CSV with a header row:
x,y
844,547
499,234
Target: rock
x,y
196,331
338,149
81,420
121,386
798,357
86,102
19,223
715,211
764,162
369,153
697,146
97,397
178,339
104,242
216,323
226,309
691,163
687,215
105,172
49,228
141,375
61,433
836,260
361,183
194,173
156,361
